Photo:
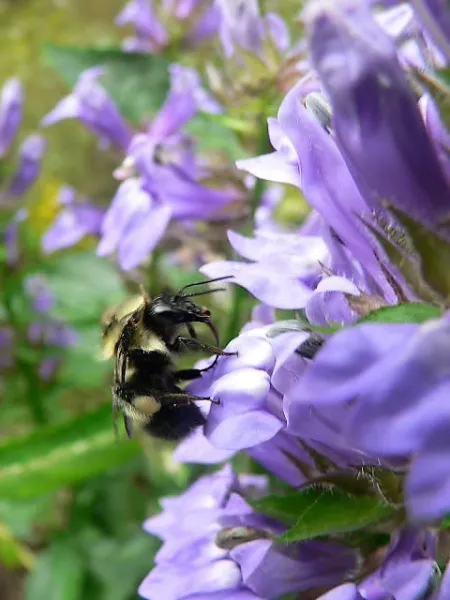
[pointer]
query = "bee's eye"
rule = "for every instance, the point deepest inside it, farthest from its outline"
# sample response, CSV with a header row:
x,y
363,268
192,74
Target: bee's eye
x,y
206,312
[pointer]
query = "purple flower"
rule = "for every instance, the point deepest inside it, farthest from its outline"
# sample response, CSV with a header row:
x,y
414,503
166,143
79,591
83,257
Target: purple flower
x,y
250,416
284,268
30,157
169,183
133,225
6,347
313,162
76,220
197,20
11,102
91,104
11,237
186,97
243,28
377,123
408,572
380,389
51,333
151,34
37,288
435,16
216,546
48,368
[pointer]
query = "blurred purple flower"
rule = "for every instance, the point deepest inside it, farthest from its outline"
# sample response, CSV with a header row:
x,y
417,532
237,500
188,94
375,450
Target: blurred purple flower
x,y
381,389
376,120
51,333
151,34
48,368
11,102
92,105
76,219
435,17
202,556
11,237
243,28
162,177
186,97
6,347
408,572
30,157
197,19
133,225
38,290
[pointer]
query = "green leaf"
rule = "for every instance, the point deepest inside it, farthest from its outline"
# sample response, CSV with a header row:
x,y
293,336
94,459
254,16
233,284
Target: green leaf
x,y
82,367
212,134
438,85
54,456
121,564
59,574
21,517
316,512
138,83
400,253
412,312
84,286
433,251
445,523
12,552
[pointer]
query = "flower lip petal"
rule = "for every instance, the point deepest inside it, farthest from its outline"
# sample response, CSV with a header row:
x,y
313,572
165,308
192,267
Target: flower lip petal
x,y
243,430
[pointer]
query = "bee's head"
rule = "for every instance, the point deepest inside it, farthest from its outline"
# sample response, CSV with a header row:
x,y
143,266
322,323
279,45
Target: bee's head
x,y
179,310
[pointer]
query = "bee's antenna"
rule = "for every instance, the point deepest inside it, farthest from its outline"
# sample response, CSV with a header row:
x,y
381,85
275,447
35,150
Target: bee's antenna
x,y
189,285
202,293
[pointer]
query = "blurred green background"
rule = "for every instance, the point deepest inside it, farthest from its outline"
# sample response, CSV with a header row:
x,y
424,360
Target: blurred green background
x,y
83,540
72,497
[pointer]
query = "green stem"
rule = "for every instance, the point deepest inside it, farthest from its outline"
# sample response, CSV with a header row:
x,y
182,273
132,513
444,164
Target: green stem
x,y
234,323
238,314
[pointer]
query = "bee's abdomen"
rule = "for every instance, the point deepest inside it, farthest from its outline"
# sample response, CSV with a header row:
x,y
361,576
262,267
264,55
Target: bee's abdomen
x,y
175,422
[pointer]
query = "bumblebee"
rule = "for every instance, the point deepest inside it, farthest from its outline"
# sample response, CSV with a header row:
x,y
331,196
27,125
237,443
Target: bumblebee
x,y
144,336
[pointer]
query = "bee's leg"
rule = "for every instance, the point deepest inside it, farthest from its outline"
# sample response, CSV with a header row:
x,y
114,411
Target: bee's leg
x,y
130,411
188,374
181,398
193,344
191,330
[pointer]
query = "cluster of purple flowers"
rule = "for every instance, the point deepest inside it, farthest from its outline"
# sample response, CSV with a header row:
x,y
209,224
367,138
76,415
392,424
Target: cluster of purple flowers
x,y
44,333
31,150
369,153
161,176
18,179
325,399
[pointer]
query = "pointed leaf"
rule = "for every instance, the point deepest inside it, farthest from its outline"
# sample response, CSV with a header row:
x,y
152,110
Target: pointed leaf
x,y
433,251
53,456
59,574
12,552
316,512
138,83
84,286
407,265
411,312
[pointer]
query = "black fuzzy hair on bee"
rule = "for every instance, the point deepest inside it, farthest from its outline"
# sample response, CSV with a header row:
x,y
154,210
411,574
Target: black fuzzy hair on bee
x,y
144,336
